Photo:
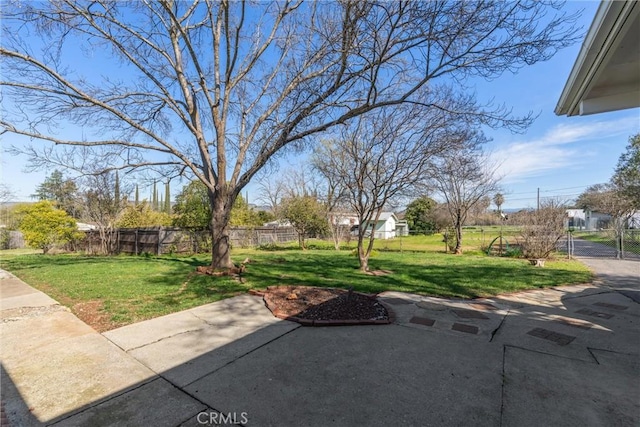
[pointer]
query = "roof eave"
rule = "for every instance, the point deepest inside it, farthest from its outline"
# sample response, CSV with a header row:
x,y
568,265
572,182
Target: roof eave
x,y
601,37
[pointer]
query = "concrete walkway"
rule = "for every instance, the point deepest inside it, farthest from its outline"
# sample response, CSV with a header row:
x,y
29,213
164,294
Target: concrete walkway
x,y
563,356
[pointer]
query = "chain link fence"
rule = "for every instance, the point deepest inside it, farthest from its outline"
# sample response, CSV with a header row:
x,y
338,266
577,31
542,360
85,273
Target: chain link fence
x,y
602,244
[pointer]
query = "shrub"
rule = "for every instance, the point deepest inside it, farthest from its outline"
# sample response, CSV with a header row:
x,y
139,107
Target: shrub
x,y
44,226
5,239
142,215
449,237
271,246
513,253
542,229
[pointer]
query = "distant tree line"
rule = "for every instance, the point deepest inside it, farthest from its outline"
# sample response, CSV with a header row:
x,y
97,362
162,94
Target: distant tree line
x,y
102,202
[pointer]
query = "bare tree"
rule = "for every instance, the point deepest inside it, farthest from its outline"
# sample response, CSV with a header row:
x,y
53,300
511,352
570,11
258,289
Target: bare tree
x,y
7,219
270,192
541,229
101,205
215,90
294,181
301,181
337,207
609,199
381,156
6,194
479,213
464,178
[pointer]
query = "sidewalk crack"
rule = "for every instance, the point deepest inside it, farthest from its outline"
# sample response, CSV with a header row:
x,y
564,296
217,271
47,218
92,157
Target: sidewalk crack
x,y
495,331
152,342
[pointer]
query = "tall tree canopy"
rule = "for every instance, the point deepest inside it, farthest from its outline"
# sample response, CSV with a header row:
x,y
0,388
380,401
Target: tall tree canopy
x,y
419,215
59,190
627,174
620,197
218,88
192,209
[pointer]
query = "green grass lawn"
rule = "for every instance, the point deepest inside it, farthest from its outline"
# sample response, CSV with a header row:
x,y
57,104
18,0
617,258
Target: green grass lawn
x,y
128,289
436,274
475,241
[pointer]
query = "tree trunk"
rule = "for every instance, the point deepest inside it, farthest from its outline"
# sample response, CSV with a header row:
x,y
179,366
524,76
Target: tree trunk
x,y
103,240
335,233
363,254
458,248
363,258
301,240
220,249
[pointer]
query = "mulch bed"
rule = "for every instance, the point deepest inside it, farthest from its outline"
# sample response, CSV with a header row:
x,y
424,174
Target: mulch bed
x,y
312,306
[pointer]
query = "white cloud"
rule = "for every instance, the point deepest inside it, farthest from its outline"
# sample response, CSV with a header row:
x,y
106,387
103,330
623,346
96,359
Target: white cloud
x,y
564,145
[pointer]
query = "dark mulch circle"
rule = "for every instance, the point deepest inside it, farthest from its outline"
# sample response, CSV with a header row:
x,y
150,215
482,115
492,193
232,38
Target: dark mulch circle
x,y
324,306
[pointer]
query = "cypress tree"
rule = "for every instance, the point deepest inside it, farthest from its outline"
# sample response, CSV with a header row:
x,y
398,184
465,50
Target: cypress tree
x,y
137,195
154,197
167,198
116,193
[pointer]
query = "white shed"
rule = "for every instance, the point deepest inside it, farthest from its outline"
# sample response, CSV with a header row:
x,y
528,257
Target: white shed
x,y
385,227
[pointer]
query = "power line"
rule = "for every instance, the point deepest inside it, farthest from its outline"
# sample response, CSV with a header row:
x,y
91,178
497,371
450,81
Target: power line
x,y
547,191
544,197
567,188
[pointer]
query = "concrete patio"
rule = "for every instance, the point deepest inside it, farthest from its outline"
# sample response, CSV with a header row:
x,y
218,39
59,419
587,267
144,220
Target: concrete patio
x,y
562,356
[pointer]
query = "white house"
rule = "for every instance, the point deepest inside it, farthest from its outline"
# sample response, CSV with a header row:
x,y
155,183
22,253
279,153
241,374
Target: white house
x,y
588,220
385,227
85,227
343,218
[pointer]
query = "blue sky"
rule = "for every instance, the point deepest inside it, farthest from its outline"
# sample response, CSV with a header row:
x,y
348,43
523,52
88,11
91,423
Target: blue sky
x,y
559,155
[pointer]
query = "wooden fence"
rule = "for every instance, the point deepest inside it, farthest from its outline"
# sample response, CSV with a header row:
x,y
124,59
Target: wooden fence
x,y
11,239
162,240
